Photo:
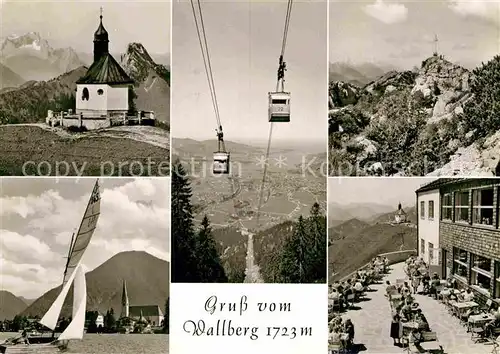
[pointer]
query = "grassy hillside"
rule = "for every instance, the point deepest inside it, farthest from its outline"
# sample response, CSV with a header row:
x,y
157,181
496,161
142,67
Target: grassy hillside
x,y
30,103
8,78
357,249
147,280
10,305
350,227
19,144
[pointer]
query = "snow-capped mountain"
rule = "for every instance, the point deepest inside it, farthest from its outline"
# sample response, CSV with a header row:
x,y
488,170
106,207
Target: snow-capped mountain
x,y
32,57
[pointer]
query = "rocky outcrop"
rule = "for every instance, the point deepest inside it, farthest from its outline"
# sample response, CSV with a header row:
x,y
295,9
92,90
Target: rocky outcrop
x,y
474,160
342,94
152,81
391,81
396,116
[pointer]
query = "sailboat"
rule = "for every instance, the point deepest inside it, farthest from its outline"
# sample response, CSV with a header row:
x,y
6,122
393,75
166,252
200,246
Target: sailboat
x,y
73,275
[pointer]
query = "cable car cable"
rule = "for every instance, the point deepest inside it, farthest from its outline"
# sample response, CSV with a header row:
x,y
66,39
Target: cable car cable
x,y
202,38
281,74
217,115
206,60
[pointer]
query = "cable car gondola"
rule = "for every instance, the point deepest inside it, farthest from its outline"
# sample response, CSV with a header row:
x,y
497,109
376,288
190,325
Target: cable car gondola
x,y
279,107
221,156
221,163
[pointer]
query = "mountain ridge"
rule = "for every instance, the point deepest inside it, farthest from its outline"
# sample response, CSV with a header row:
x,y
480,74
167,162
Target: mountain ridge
x,y
32,57
147,280
10,305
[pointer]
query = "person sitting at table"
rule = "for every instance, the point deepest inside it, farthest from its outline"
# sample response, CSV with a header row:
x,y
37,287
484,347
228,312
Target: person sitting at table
x,y
335,297
423,324
405,289
349,330
415,282
494,323
348,290
358,288
434,284
334,336
468,295
426,279
406,312
390,288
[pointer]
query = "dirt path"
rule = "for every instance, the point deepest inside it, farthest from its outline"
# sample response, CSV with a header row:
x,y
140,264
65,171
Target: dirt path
x,y
252,272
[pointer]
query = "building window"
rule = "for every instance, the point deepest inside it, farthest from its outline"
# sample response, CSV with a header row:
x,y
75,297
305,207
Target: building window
x,y
446,206
482,206
85,94
422,210
460,262
431,253
422,246
497,279
100,92
431,209
481,272
462,206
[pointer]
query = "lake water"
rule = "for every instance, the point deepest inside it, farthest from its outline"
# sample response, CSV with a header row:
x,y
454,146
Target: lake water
x,y
115,343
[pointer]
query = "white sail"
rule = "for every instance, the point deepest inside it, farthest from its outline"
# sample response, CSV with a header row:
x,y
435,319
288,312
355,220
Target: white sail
x,y
50,318
85,231
76,327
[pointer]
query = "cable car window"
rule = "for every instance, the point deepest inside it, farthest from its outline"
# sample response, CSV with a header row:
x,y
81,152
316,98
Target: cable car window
x,y
279,101
100,92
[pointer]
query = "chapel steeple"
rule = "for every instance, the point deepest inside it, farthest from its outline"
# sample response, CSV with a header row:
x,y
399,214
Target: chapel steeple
x,y
101,41
125,303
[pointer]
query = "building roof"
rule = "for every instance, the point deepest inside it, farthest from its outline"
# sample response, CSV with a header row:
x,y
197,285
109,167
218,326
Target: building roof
x,y
401,212
147,311
101,34
105,71
436,184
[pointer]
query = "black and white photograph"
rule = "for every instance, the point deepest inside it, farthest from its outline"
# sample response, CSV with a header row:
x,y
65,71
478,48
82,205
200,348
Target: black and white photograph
x,y
249,141
85,88
84,265
412,88
414,265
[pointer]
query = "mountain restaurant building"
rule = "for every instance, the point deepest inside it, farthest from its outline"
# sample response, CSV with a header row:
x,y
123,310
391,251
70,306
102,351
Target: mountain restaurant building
x,y
428,219
469,234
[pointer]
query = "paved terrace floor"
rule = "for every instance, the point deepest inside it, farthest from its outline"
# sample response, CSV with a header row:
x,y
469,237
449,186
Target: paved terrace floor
x,y
372,321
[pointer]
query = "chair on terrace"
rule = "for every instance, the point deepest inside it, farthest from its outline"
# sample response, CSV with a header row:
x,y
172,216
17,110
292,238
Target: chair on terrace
x,y
487,306
478,334
429,342
336,348
496,345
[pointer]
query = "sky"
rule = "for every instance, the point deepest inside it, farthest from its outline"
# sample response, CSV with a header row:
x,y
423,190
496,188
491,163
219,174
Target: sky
x,y
385,191
38,216
244,41
401,33
73,23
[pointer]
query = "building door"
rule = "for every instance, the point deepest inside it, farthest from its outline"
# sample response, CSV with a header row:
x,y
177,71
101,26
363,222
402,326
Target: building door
x,y
444,267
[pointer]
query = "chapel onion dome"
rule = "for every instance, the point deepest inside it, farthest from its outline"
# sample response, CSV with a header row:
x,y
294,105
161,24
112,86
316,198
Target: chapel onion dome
x,y
101,34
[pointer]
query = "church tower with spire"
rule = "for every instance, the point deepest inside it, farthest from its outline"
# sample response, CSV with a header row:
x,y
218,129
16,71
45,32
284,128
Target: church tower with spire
x,y
400,216
101,41
103,91
125,303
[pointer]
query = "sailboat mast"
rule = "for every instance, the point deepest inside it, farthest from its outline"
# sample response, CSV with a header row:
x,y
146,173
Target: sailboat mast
x,y
69,255
81,223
